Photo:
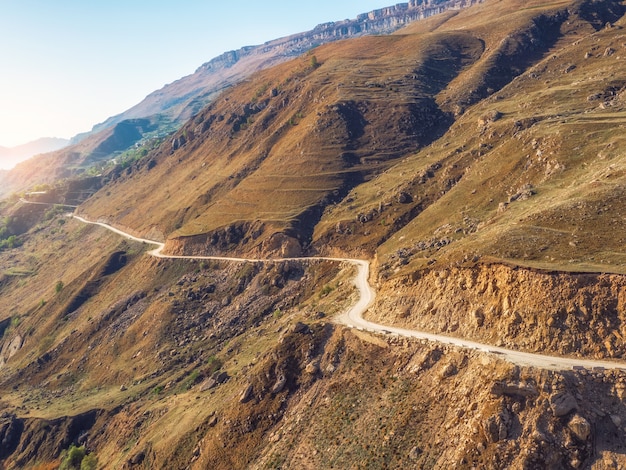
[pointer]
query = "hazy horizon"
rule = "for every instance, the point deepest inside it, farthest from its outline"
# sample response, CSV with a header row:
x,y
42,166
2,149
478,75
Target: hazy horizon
x,y
11,156
67,66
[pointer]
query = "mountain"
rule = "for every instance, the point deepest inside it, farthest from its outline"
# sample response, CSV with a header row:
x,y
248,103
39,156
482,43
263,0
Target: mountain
x,y
475,161
9,157
183,98
112,146
169,108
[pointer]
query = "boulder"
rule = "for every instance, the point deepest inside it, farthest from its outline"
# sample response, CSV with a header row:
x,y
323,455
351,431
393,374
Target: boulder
x,y
138,458
415,453
246,394
448,371
217,378
403,197
580,427
478,316
497,427
514,389
280,383
300,328
10,349
563,403
312,367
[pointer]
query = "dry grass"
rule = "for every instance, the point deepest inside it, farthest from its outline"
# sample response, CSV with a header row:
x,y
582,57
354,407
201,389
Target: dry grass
x,y
325,131
551,136
531,175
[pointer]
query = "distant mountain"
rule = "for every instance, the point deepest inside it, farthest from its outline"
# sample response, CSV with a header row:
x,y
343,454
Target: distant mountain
x,y
170,107
9,157
184,98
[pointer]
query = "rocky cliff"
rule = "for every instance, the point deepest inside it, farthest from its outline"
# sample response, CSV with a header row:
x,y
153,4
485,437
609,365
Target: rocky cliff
x,y
578,314
185,97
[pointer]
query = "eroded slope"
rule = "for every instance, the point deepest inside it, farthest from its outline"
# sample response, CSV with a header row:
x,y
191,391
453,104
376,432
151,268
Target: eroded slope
x,y
506,228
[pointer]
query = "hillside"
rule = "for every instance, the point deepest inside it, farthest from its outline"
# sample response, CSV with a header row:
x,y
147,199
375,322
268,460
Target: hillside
x,y
116,146
282,152
184,98
475,158
167,109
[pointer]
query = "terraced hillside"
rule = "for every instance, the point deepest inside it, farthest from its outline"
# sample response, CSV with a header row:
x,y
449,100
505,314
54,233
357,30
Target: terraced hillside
x,y
476,158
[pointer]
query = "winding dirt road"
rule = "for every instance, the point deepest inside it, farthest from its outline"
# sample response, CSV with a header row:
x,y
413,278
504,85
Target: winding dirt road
x,y
353,317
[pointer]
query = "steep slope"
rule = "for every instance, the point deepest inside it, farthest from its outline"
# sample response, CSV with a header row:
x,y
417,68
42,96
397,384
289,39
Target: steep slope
x,y
478,228
273,152
475,157
166,110
260,166
519,167
236,366
184,98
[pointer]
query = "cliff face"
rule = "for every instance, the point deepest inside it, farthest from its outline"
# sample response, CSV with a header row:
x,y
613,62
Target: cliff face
x,y
185,97
565,313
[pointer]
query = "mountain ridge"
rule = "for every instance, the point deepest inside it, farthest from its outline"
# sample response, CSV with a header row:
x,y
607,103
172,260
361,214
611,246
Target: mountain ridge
x,y
186,96
169,107
476,158
19,153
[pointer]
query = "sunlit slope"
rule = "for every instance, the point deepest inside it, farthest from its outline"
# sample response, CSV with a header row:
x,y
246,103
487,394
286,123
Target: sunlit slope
x,y
450,139
533,175
275,151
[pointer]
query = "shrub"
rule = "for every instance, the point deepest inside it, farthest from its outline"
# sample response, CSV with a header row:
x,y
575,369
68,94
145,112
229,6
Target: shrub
x,y
10,243
59,287
90,462
213,364
76,458
327,289
191,380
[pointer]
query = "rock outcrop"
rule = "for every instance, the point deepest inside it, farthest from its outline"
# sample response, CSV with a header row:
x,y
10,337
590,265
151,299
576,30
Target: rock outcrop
x,y
562,404
565,313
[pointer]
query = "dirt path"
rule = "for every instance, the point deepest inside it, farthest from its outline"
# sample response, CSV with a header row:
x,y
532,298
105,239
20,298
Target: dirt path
x,y
353,317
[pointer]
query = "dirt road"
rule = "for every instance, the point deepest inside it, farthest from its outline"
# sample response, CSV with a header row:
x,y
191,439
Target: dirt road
x,y
353,317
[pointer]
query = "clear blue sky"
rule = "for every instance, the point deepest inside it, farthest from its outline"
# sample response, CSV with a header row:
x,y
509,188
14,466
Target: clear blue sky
x,y
66,65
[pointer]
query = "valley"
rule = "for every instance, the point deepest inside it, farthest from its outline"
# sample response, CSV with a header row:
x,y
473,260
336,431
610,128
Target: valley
x,y
401,250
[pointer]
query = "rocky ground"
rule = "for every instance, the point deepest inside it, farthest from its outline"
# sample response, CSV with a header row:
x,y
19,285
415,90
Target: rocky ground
x,y
476,159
